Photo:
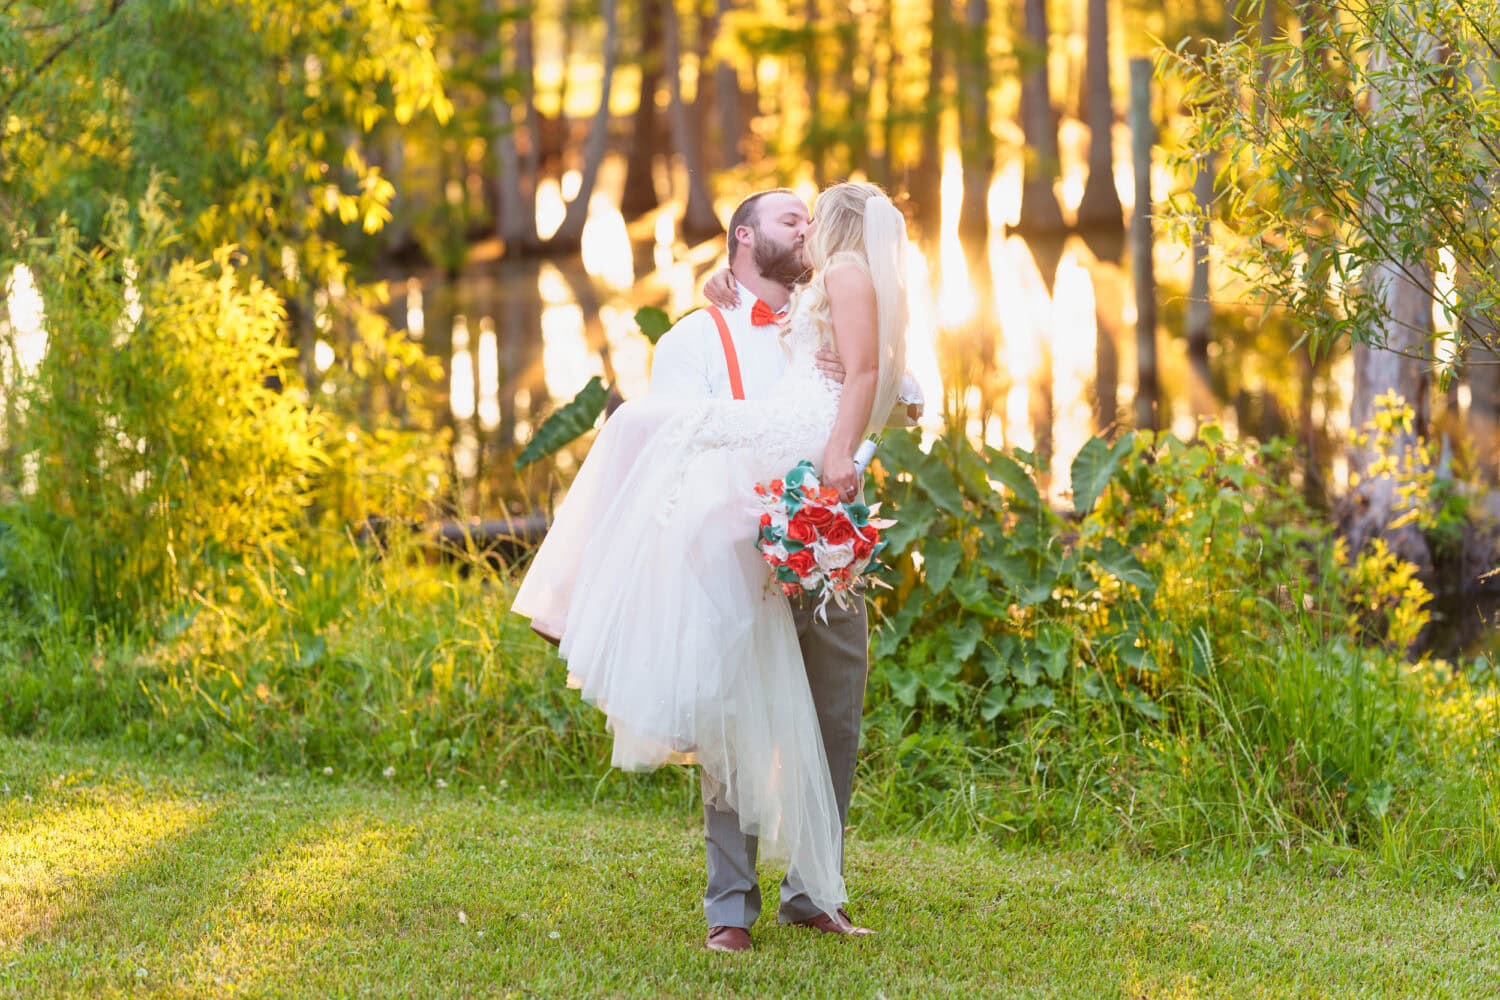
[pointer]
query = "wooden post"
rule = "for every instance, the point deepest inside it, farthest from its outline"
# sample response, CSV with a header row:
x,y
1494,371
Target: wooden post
x,y
1142,136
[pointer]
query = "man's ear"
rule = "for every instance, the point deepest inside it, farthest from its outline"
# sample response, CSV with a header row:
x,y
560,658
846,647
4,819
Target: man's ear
x,y
745,236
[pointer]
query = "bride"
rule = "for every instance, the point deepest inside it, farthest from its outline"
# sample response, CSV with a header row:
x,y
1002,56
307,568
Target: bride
x,y
649,578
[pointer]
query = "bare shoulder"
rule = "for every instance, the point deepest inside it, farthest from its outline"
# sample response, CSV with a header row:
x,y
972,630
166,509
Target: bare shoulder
x,y
849,284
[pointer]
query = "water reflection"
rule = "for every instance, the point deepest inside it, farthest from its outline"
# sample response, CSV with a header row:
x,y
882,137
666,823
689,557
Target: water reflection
x,y
1027,345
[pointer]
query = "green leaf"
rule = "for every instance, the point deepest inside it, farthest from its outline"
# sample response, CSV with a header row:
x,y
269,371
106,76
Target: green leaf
x,y
1027,668
1014,477
567,424
996,700
1055,644
973,594
995,656
939,560
913,520
904,684
653,322
965,638
1093,469
1031,699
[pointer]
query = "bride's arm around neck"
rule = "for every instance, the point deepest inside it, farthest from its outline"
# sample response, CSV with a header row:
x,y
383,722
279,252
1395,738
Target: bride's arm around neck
x,y
853,313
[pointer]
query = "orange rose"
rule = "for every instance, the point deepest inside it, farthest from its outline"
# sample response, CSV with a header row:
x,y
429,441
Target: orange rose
x,y
838,531
821,518
802,562
800,529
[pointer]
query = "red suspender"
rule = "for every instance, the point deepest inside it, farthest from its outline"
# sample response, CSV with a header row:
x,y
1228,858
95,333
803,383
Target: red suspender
x,y
731,359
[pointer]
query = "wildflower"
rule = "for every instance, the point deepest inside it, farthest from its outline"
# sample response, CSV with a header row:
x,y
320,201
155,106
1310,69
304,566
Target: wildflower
x,y
390,771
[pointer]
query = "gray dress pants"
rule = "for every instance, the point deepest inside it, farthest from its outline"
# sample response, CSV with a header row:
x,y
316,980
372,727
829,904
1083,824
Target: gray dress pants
x,y
837,659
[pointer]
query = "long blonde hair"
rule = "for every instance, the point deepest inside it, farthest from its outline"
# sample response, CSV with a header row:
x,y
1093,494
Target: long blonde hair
x,y
857,223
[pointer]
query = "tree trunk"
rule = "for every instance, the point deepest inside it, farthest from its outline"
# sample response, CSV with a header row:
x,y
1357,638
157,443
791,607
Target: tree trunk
x,y
1267,36
1197,324
570,234
728,100
1040,212
1143,268
974,111
639,196
1482,371
926,184
815,150
1482,359
1393,363
1100,206
698,220
516,211
883,167
855,91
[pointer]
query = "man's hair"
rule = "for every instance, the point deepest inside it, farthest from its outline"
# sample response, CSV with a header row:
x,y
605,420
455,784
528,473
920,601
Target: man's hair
x,y
744,215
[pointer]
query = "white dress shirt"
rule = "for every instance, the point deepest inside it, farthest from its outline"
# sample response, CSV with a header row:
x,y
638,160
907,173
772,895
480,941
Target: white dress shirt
x,y
689,359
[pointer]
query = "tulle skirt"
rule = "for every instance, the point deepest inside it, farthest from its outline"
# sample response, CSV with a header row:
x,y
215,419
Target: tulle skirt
x,y
650,579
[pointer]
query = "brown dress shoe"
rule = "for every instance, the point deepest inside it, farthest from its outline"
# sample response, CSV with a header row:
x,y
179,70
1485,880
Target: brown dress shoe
x,y
728,939
838,923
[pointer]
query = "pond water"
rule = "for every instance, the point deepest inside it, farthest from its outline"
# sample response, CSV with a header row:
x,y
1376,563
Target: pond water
x,y
1029,345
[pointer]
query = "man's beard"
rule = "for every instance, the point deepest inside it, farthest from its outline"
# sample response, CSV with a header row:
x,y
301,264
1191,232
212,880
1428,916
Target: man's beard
x,y
781,264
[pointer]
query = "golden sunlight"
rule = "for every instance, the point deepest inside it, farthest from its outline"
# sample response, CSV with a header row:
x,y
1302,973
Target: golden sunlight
x,y
567,361
27,320
461,378
50,862
488,361
606,249
1074,337
957,303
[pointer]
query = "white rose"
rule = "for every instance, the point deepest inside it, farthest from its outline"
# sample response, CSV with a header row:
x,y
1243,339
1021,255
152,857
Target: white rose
x,y
832,557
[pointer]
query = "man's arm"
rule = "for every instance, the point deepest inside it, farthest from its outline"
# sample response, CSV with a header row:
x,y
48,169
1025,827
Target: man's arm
x,y
677,368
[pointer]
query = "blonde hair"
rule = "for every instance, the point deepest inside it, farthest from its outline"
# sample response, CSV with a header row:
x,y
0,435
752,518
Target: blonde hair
x,y
857,224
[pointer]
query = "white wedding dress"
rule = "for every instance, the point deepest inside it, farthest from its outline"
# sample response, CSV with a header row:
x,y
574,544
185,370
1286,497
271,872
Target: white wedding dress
x,y
650,577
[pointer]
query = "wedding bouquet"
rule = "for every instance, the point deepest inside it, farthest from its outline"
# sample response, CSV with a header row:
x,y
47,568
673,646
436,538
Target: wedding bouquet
x,y
813,541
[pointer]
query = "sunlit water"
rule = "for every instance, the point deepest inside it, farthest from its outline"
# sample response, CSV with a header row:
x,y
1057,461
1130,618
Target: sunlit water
x,y
1005,339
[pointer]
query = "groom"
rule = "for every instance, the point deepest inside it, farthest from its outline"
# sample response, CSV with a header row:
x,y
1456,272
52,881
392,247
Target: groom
x,y
695,359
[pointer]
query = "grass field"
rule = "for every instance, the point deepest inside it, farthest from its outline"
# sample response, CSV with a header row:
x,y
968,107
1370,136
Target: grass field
x,y
121,876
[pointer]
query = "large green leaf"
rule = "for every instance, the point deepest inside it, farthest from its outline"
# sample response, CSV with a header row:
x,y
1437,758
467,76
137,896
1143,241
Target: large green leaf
x,y
939,559
653,322
1093,469
899,452
1014,477
567,424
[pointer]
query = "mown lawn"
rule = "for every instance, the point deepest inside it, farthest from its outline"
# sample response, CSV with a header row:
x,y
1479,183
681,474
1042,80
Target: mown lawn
x,y
120,876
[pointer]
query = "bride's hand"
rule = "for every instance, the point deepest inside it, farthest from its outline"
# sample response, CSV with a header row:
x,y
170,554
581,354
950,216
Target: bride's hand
x,y
721,289
839,474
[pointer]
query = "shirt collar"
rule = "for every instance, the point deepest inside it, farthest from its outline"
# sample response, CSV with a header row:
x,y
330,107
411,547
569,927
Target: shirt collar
x,y
748,300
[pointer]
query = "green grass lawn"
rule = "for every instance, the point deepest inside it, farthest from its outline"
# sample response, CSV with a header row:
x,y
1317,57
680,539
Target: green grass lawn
x,y
122,876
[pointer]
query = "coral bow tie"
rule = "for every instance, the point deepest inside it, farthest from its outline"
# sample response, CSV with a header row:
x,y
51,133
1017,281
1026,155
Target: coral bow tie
x,y
762,314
